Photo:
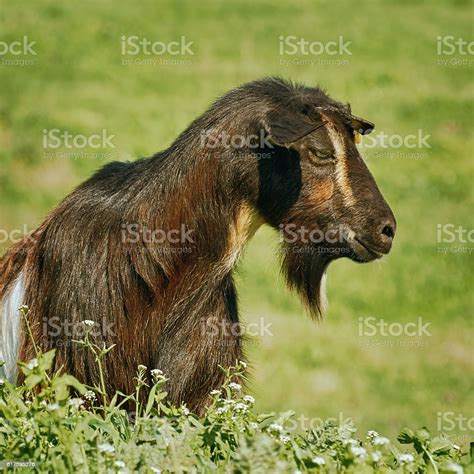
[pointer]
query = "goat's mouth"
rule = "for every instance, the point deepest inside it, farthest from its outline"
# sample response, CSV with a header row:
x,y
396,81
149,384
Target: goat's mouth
x,y
363,252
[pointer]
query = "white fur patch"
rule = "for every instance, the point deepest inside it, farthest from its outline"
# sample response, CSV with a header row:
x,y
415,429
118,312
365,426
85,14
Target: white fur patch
x,y
322,293
341,170
10,328
241,231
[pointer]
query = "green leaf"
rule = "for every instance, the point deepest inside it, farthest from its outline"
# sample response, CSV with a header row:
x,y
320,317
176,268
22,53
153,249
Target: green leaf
x,y
406,436
45,360
33,380
61,386
151,400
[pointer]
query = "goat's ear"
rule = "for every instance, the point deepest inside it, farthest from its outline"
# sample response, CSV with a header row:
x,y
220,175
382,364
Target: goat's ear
x,y
362,126
285,128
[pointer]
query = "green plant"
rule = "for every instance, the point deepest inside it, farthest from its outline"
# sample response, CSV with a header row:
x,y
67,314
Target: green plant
x,y
43,425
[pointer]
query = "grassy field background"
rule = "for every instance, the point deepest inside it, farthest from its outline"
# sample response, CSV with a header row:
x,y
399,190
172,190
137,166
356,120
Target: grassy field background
x,y
78,83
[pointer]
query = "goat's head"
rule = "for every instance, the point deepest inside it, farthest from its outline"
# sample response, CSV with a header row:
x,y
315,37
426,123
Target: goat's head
x,y
315,188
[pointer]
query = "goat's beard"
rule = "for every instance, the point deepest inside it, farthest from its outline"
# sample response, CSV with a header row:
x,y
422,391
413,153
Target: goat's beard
x,y
304,267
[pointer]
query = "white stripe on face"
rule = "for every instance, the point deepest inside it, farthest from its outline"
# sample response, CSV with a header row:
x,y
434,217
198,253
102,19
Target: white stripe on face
x,y
342,178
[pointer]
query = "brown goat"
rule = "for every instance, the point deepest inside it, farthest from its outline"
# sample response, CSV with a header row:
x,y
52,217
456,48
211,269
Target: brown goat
x,y
147,249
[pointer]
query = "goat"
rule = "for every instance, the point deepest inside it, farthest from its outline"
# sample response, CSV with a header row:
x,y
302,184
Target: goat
x,y
147,249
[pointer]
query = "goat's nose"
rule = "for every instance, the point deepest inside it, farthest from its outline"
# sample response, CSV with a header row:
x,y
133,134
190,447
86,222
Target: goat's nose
x,y
386,233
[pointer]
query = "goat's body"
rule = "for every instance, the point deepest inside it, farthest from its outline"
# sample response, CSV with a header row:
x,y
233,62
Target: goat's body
x,y
161,310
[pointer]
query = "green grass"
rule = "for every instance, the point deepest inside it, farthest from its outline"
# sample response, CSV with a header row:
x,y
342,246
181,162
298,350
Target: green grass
x,y
319,369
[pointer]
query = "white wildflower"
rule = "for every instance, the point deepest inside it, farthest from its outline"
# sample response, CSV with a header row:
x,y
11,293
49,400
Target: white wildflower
x,y
453,467
222,409
406,458
253,425
319,461
249,399
275,427
185,410
156,374
2,382
119,464
456,447
372,434
106,448
241,407
235,386
380,441
90,396
376,456
142,367
76,402
156,470
350,442
52,406
88,322
215,392
285,438
32,364
358,451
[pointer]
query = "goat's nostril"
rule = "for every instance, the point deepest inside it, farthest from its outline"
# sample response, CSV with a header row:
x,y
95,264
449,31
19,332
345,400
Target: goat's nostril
x,y
388,231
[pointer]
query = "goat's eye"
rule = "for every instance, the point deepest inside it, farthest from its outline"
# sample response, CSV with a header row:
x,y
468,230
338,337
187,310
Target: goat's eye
x,y
320,155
